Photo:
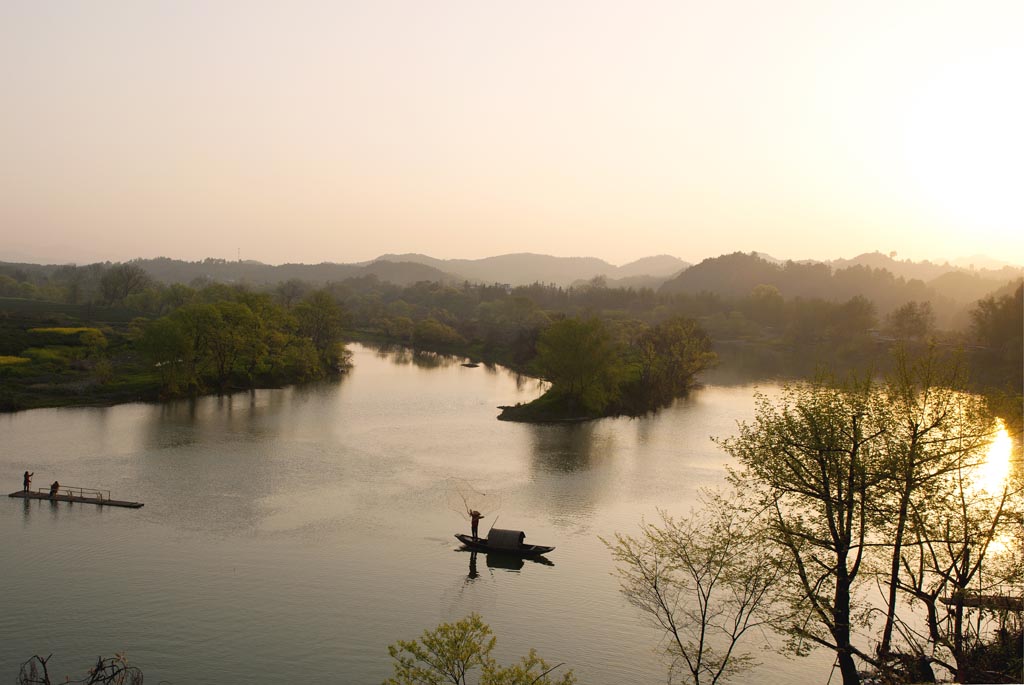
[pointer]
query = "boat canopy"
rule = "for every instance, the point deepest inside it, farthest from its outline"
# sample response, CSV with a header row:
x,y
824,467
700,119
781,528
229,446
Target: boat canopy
x,y
498,538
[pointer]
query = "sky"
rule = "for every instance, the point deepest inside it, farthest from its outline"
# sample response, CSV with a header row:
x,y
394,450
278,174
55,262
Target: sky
x,y
338,131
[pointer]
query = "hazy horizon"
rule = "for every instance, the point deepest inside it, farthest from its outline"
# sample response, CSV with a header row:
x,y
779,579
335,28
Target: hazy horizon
x,y
325,131
977,261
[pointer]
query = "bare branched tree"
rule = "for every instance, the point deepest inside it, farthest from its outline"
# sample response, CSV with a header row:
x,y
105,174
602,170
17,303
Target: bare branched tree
x,y
113,670
706,581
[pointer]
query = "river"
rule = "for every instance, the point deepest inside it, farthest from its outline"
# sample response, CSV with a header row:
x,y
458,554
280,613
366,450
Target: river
x,y
290,535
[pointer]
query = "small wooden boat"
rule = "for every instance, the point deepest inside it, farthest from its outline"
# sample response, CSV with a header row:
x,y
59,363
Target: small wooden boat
x,y
503,542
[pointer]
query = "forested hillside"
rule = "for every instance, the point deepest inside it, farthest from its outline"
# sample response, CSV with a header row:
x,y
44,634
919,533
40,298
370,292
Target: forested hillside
x,y
949,292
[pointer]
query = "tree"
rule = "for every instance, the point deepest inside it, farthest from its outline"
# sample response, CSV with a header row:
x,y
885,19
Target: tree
x,y
667,357
197,323
321,319
122,280
853,318
289,292
706,581
965,538
234,341
998,322
930,426
911,321
430,332
164,342
808,460
766,305
998,326
452,651
582,362
113,670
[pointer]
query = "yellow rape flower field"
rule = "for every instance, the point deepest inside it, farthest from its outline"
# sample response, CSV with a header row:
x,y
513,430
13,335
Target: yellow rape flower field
x,y
63,331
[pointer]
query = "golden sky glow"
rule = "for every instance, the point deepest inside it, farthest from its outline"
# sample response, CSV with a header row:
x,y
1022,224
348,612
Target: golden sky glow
x,y
333,131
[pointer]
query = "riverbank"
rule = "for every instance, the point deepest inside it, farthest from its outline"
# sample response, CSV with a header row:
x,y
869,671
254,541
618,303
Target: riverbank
x,y
51,355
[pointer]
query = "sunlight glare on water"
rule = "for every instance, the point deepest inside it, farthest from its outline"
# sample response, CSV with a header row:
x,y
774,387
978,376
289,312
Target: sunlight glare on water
x,y
996,468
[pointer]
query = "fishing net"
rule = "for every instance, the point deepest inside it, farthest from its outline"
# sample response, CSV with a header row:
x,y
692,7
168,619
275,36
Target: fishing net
x,y
462,498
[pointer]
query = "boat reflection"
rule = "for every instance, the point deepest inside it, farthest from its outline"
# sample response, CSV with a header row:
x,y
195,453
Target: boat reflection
x,y
498,560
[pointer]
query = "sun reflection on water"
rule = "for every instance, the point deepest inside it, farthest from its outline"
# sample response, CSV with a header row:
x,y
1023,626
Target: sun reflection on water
x,y
993,475
996,468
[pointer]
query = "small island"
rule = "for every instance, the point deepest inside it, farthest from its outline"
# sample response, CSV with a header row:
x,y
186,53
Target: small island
x,y
597,370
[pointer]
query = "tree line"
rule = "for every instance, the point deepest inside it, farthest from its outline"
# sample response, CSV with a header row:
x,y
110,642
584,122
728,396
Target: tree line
x,y
504,324
222,337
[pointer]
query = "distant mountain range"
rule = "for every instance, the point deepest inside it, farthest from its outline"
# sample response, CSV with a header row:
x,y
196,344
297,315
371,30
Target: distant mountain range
x,y
405,269
738,273
872,274
526,268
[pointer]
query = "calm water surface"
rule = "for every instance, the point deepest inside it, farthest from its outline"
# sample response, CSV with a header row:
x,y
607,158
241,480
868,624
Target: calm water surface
x,y
291,535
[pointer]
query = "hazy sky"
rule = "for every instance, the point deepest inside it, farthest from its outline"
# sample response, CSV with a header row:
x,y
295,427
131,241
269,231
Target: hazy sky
x,y
334,131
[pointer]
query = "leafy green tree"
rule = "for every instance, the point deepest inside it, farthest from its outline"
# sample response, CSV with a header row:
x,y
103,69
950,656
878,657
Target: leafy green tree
x,y
667,357
911,321
322,319
582,362
930,430
766,305
197,323
122,280
166,345
460,653
236,345
997,325
94,341
8,286
808,460
852,318
291,291
998,321
430,332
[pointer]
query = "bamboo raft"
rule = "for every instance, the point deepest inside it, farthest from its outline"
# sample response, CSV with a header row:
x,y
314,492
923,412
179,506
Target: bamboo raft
x,y
71,493
985,601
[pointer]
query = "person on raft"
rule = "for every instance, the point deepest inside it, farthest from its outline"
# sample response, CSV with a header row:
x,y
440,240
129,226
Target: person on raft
x,y
54,488
27,480
475,517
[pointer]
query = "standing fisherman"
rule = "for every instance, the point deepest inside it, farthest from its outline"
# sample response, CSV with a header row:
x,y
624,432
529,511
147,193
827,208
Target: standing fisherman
x,y
475,517
27,480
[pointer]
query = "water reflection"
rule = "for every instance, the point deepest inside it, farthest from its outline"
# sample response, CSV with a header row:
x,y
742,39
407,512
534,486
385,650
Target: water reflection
x,y
566,447
996,468
406,356
500,561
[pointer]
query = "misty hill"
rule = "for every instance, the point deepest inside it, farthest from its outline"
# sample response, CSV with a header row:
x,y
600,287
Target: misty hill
x,y
175,271
986,268
980,261
737,274
968,286
949,291
658,266
527,268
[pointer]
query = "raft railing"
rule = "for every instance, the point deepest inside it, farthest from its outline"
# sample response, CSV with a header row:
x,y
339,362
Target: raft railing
x,y
77,491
